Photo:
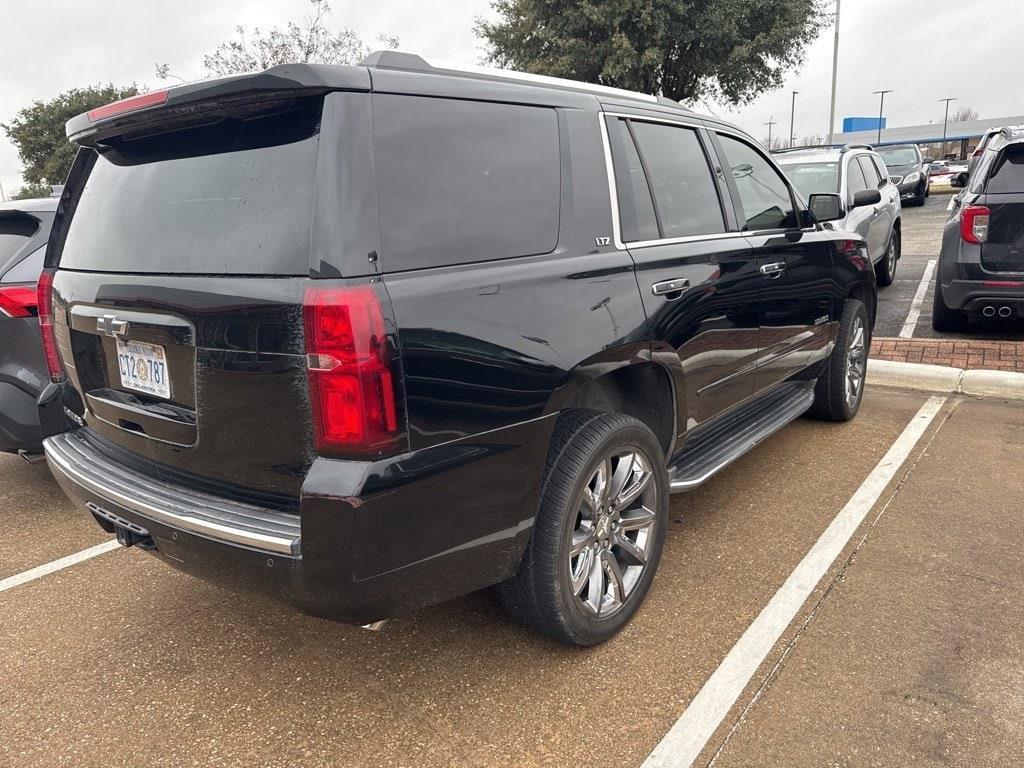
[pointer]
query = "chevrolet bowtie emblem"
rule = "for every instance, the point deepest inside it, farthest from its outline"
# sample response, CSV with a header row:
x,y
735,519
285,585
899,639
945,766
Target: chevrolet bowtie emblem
x,y
110,325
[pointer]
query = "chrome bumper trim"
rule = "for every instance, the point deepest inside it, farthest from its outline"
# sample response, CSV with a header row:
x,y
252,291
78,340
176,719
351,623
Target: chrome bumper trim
x,y
72,458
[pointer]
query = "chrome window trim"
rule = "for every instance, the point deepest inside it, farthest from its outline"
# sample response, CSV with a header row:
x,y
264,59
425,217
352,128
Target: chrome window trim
x,y
613,190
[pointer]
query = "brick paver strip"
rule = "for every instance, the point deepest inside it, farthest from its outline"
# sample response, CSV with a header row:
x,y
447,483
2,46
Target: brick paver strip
x,y
988,355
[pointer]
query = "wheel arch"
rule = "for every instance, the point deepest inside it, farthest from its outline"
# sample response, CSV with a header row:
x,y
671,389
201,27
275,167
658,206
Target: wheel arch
x,y
628,381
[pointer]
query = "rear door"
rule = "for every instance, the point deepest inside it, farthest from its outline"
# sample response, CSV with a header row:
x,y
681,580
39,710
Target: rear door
x,y
796,278
180,286
1003,251
697,274
865,220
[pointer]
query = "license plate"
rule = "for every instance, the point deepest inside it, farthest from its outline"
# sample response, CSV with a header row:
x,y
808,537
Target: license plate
x,y
143,368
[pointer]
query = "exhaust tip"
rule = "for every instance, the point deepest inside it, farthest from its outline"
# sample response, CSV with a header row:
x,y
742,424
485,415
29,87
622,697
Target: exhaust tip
x,y
989,311
31,458
1005,311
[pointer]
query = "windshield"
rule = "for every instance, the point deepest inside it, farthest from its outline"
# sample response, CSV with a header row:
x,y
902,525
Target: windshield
x,y
813,178
234,197
898,155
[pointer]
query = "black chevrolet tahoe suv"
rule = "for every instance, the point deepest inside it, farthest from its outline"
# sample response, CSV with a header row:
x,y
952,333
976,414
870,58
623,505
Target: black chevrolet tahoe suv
x,y
366,338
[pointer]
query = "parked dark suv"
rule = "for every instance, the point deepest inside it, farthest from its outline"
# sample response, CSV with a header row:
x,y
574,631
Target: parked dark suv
x,y
908,170
368,338
981,264
24,229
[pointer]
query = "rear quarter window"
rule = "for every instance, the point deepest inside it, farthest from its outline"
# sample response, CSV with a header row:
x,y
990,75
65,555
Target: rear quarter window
x,y
15,232
464,181
1007,175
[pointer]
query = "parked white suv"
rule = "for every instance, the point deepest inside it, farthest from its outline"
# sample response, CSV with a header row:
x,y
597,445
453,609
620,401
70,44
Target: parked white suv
x,y
859,175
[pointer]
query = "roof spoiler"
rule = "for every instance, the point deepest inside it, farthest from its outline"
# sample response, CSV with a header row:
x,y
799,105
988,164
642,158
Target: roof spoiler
x,y
193,100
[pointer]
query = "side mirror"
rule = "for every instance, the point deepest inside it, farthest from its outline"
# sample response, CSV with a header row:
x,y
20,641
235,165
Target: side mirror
x,y
959,179
866,197
927,160
826,206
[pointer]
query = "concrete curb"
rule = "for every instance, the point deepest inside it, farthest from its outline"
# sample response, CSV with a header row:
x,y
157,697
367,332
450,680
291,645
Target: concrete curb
x,y
940,378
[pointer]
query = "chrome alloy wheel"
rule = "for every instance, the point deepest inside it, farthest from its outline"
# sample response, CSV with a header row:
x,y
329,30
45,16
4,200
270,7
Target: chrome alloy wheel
x,y
613,532
890,255
856,362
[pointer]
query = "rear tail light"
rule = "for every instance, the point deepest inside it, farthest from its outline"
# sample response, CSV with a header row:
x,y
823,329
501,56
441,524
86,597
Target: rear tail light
x,y
17,300
351,383
45,305
855,252
974,224
131,104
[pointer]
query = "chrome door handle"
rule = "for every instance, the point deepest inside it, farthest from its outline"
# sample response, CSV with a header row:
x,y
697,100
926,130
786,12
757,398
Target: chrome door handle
x,y
676,285
773,270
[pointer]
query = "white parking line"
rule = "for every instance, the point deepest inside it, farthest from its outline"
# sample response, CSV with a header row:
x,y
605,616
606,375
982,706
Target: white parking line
x,y
34,573
692,731
907,331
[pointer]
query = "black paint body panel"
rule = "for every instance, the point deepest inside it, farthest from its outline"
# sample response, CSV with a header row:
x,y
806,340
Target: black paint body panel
x,y
488,351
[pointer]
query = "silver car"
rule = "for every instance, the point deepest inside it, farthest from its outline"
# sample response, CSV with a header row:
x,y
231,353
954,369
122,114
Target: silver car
x,y
856,173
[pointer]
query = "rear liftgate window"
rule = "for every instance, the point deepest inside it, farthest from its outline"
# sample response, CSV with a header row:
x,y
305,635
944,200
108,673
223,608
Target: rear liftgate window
x,y
464,181
232,197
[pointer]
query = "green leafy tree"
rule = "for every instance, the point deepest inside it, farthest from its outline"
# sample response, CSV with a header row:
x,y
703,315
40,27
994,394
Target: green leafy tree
x,y
38,131
683,49
29,191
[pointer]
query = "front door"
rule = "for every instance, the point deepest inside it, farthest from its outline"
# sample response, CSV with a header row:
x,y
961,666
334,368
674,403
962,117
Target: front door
x,y
794,266
696,273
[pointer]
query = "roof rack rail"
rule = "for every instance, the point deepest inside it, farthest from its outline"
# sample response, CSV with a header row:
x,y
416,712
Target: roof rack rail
x,y
801,148
412,62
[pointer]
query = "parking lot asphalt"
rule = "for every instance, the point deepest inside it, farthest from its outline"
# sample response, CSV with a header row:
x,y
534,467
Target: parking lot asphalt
x,y
911,653
922,239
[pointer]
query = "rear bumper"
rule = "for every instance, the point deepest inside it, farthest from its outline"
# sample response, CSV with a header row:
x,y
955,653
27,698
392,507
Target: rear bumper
x,y
974,296
372,539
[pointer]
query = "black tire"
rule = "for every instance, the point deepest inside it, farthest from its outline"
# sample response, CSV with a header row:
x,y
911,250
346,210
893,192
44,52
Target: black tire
x,y
885,270
943,318
831,401
541,594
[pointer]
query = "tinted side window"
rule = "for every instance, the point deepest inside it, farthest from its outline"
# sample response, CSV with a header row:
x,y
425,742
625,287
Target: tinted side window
x,y
27,270
855,181
636,208
870,172
1008,172
684,189
764,194
883,172
463,181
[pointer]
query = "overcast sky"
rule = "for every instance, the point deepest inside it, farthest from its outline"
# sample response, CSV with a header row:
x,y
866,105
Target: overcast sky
x,y
924,51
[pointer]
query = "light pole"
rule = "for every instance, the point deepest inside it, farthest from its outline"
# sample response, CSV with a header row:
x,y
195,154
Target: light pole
x,y
881,107
835,70
770,123
792,114
945,123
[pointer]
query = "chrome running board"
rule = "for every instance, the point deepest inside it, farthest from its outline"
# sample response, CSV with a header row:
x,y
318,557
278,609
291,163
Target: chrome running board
x,y
713,447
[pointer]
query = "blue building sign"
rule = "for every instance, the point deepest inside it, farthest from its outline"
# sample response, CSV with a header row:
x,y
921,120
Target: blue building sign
x,y
851,124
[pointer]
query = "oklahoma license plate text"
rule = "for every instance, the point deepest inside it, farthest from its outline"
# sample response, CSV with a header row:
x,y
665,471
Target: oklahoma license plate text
x,y
143,368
